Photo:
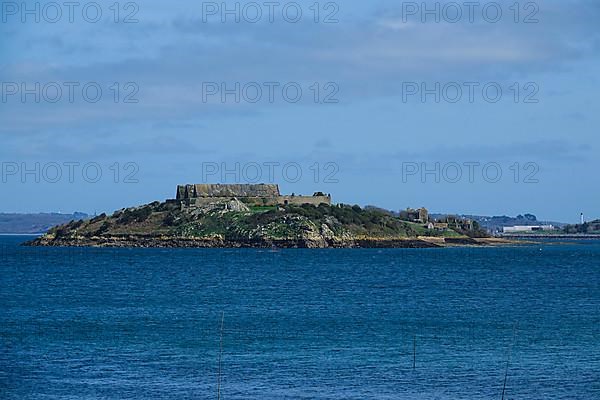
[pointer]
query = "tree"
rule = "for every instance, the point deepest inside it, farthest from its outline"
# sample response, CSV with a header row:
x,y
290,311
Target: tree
x,y
530,217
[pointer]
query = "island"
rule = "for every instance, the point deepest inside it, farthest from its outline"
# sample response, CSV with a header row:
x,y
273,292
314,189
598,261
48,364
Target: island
x,y
258,216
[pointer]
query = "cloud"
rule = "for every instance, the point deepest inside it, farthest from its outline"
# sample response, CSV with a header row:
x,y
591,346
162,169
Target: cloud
x,y
169,55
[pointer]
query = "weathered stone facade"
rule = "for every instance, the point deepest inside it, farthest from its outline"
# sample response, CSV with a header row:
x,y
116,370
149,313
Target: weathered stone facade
x,y
217,190
419,215
258,195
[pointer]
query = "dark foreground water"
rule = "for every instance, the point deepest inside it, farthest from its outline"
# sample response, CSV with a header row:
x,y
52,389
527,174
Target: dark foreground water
x,y
300,324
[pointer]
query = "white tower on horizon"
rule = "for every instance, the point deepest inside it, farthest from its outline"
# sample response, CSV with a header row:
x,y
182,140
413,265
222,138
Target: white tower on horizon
x,y
582,219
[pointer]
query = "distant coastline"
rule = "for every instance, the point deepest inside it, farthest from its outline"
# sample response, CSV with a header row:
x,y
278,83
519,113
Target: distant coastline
x,y
22,234
34,223
549,236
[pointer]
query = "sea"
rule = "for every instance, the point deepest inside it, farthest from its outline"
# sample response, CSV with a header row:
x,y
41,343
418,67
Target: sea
x,y
519,322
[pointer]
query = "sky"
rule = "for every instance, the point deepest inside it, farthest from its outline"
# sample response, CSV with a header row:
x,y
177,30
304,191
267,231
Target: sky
x,y
489,108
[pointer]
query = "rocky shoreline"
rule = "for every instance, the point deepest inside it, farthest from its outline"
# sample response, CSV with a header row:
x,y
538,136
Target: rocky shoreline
x,y
146,241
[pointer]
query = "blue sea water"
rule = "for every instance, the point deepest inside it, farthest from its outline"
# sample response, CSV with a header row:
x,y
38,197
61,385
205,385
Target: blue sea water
x,y
300,324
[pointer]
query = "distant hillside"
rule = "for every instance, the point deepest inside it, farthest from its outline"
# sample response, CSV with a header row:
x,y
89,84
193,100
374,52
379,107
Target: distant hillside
x,y
35,223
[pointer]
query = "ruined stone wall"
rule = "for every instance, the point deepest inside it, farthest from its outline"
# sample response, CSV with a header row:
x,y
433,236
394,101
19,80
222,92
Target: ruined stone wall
x,y
260,201
250,201
182,192
257,195
300,200
218,190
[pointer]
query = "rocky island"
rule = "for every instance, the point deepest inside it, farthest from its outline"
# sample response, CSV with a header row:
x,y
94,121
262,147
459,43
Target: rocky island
x,y
258,216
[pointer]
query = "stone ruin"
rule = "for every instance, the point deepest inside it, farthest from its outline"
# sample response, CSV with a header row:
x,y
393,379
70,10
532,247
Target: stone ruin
x,y
253,195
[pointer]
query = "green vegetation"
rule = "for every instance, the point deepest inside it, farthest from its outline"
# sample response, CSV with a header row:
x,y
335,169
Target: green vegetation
x,y
317,226
139,214
261,209
588,228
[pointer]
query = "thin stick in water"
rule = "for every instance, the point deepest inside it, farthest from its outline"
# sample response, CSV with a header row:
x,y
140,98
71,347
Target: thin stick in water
x,y
220,357
415,352
508,360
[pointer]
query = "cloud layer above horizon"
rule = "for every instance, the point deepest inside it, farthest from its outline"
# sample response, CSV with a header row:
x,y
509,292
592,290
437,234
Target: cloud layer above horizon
x,y
369,64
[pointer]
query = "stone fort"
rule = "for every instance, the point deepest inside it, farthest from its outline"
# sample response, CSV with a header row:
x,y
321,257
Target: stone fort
x,y
255,195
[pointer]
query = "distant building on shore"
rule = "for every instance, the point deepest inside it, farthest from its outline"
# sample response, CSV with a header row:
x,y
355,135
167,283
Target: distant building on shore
x,y
528,228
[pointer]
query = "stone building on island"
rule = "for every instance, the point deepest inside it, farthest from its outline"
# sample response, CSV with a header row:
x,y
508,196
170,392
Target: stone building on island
x,y
253,195
420,215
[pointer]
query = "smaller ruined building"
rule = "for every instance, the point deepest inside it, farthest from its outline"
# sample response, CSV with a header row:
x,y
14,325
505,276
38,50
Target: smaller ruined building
x,y
420,215
254,195
455,222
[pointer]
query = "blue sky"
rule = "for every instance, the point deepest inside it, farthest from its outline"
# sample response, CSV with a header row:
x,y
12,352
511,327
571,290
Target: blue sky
x,y
365,144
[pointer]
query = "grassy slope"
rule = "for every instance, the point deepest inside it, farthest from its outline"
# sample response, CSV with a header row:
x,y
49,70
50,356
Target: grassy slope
x,y
289,222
